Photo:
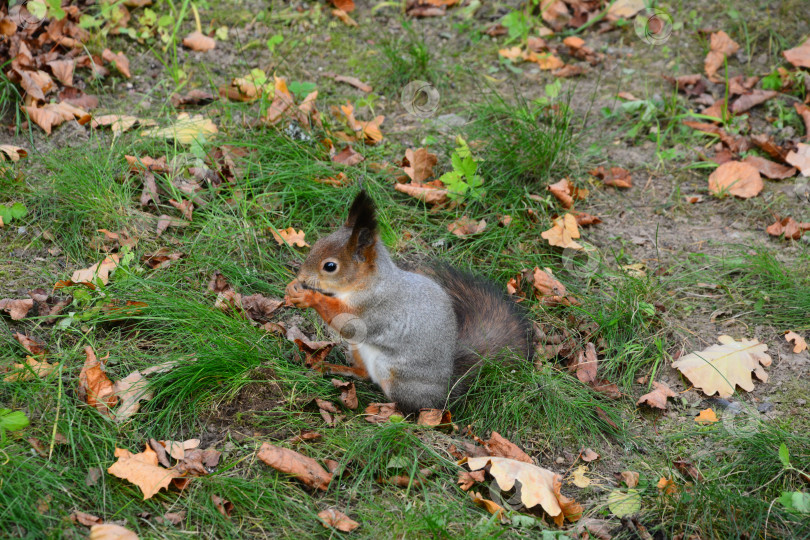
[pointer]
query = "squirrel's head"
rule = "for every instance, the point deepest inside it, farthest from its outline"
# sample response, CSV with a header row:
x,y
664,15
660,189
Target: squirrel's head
x,y
343,261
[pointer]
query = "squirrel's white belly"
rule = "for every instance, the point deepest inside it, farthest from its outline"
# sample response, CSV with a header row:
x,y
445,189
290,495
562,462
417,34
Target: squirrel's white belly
x,y
374,361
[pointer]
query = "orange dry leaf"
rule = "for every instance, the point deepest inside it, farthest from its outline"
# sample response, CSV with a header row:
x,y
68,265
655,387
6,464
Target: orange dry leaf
x,y
111,531
563,233
290,237
119,60
282,101
800,158
348,393
799,343
769,168
51,115
14,153
338,520
545,61
538,486
348,156
736,178
667,485
616,176
379,413
566,192
799,56
549,290
418,164
792,229
343,17
371,130
466,480
433,417
465,226
658,397
344,5
501,447
706,416
721,46
95,388
490,506
32,368
586,364
17,308
119,123
99,271
512,53
719,368
197,41
304,468
425,193
63,70
142,470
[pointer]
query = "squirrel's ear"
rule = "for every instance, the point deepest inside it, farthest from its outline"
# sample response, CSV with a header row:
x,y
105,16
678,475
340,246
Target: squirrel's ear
x,y
363,222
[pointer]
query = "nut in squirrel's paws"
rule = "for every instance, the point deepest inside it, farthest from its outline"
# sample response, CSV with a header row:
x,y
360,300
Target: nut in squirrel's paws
x,y
298,296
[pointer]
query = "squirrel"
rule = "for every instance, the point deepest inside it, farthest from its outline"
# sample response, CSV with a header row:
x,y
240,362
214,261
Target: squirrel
x,y
418,335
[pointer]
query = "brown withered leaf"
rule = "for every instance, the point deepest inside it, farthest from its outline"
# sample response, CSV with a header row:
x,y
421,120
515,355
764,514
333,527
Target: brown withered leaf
x,y
658,397
584,219
569,70
720,46
142,470
736,178
465,226
303,468
258,307
770,169
418,164
164,222
119,60
353,81
131,390
799,56
587,455
343,17
804,111
337,520
789,227
563,233
750,100
315,351
379,413
197,41
586,364
348,393
305,435
502,447
490,506
800,158
88,520
566,192
549,290
329,412
223,506
33,367
616,176
193,98
185,206
31,345
161,258
52,114
434,418
95,388
467,480
348,156
17,308
799,343
426,193
767,145
630,478
691,85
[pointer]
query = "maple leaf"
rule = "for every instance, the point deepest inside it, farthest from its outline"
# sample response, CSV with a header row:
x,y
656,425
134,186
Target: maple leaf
x,y
538,486
142,470
563,233
658,397
737,178
304,468
719,368
290,237
337,519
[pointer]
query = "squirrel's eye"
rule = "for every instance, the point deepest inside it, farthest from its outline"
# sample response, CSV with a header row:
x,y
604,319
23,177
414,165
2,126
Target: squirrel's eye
x,y
330,266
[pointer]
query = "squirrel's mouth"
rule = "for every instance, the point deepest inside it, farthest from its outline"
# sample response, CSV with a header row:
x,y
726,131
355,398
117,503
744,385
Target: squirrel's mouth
x,y
316,289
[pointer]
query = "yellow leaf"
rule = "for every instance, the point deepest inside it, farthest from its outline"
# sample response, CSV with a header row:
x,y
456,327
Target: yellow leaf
x,y
706,416
563,232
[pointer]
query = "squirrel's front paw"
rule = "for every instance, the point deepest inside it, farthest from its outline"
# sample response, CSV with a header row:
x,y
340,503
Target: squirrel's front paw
x,y
298,296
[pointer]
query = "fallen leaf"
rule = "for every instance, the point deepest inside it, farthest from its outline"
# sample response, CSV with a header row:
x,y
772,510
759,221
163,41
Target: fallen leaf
x,y
706,416
799,56
119,123
434,418
624,503
343,17
667,485
53,114
329,412
131,390
379,413
31,345
804,111
111,531
418,164
95,388
348,156
283,100
88,520
465,226
748,101
566,192
164,222
290,237
587,455
339,180
586,364
500,447
624,9
720,46
798,341
354,81
315,351
555,13
579,478
119,60
736,178
258,307
348,393
687,468
467,480
17,308
337,520
658,397
490,506
304,468
197,41
161,258
142,470
14,153
719,368
223,507
185,130
538,486
33,367
766,144
345,5
549,290
193,98
305,435
185,206
770,169
630,478
175,518
792,229
800,158
563,233
616,176
425,193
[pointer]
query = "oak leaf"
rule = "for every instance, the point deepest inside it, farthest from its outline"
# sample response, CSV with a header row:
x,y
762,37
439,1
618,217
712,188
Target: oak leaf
x,y
304,468
418,164
658,397
800,158
538,486
563,233
719,368
142,470
737,178
798,341
290,237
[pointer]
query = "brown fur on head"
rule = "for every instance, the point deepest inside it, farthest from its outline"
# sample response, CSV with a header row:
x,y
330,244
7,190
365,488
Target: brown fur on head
x,y
346,259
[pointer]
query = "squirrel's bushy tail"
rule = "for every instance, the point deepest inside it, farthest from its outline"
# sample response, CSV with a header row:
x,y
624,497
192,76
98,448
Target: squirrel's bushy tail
x,y
490,324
